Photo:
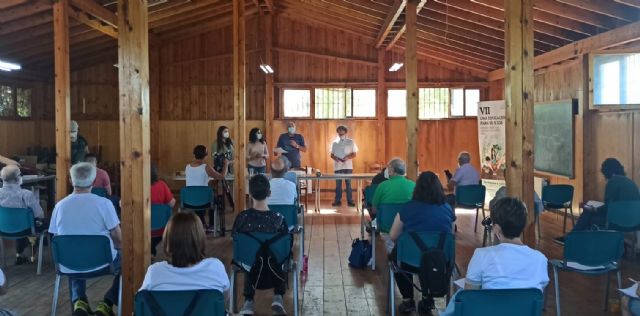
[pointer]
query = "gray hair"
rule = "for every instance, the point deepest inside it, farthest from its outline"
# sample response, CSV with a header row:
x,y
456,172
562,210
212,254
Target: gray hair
x,y
464,157
10,174
82,175
398,166
280,167
73,126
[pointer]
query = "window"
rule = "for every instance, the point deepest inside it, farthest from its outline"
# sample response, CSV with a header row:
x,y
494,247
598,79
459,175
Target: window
x,y
23,99
397,103
297,103
464,102
332,103
6,101
433,103
616,77
364,103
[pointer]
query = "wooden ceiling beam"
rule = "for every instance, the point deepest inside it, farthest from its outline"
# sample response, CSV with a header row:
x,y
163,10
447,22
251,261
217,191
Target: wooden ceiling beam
x,y
490,60
96,10
270,5
76,49
11,3
19,25
333,11
335,16
449,62
97,25
400,32
320,21
390,21
258,6
369,8
200,28
446,37
576,14
24,10
608,8
46,48
176,22
476,59
37,41
446,30
633,3
192,6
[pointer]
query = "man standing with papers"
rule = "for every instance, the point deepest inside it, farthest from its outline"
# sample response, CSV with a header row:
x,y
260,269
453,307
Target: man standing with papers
x,y
343,150
291,144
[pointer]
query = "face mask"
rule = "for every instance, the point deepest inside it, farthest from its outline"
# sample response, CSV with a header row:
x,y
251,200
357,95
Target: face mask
x,y
74,136
225,134
291,130
259,136
386,173
342,137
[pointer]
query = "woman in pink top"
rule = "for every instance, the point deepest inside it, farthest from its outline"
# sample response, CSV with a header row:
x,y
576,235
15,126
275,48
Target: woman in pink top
x,y
160,194
102,177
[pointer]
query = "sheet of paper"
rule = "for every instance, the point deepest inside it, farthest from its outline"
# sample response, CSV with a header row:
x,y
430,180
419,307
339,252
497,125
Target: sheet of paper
x,y
575,265
594,204
459,283
279,150
29,177
631,291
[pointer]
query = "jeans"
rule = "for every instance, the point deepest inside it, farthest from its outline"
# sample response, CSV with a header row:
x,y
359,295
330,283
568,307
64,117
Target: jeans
x,y
249,292
339,186
590,218
404,280
79,286
23,243
257,170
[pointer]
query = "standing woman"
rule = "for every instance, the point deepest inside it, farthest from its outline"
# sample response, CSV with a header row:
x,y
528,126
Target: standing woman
x,y
223,147
257,152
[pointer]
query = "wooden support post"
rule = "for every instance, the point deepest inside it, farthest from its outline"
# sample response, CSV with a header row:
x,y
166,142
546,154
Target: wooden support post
x,y
133,78
381,110
269,112
62,96
154,99
411,78
239,104
519,87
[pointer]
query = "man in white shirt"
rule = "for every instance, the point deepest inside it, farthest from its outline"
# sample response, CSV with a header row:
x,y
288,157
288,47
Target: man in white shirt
x,y
466,174
283,191
343,150
84,213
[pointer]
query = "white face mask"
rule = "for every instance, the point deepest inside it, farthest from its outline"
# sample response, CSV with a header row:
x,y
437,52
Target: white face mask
x,y
291,130
225,134
259,136
74,136
342,137
386,173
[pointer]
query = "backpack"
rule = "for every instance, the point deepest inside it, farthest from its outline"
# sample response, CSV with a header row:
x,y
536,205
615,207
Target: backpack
x,y
360,254
266,269
435,270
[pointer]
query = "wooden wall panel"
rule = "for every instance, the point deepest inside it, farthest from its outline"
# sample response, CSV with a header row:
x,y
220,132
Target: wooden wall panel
x,y
10,145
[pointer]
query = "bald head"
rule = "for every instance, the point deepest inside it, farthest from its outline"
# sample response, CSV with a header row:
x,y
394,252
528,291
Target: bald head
x,y
10,174
279,168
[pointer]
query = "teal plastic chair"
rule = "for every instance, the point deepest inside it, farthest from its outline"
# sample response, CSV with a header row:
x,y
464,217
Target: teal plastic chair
x,y
102,192
245,249
209,303
624,216
601,250
196,198
408,253
13,223
385,215
90,253
507,302
471,197
559,197
368,194
160,215
290,213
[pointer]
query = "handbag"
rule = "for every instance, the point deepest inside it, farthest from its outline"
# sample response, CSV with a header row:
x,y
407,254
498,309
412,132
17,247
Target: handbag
x,y
361,252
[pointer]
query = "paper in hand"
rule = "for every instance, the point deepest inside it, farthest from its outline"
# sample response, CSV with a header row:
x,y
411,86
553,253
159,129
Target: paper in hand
x,y
279,150
631,291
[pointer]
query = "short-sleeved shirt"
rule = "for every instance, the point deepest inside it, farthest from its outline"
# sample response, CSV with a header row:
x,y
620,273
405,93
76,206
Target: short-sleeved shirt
x,y
78,150
196,176
13,196
292,153
620,188
397,189
255,221
102,180
84,214
417,216
508,266
466,175
283,192
255,148
160,193
208,274
342,148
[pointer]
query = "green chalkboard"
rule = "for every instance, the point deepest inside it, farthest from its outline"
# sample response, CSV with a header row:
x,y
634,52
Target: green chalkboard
x,y
553,128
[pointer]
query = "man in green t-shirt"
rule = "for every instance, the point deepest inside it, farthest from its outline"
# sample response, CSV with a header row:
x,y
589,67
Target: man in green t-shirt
x,y
398,189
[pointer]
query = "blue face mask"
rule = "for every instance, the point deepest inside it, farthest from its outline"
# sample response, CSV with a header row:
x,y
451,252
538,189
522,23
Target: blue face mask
x,y
291,130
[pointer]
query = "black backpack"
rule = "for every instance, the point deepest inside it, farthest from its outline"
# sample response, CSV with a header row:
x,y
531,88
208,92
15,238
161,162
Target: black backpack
x,y
266,268
435,269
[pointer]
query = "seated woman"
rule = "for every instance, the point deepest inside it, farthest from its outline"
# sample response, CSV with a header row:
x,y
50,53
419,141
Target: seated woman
x,y
427,211
198,172
510,264
160,194
188,267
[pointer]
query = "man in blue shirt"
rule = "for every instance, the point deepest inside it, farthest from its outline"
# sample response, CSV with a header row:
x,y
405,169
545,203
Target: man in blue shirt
x,y
293,144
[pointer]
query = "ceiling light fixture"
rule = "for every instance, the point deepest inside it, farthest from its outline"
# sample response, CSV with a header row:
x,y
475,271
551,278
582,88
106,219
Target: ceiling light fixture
x,y
396,67
266,68
7,66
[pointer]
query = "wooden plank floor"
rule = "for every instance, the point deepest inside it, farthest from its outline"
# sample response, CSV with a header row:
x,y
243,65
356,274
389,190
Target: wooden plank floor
x,y
330,287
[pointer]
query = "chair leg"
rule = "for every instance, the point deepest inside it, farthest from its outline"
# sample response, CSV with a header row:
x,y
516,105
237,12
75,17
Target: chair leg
x,y
4,260
301,261
557,288
56,288
295,291
232,292
606,293
39,269
373,248
475,227
573,219
564,222
538,225
120,296
392,294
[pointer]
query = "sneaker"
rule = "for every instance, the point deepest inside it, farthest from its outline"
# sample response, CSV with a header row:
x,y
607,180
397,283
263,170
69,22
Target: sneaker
x,y
337,203
425,306
351,204
408,305
21,260
277,306
247,308
103,309
81,308
559,240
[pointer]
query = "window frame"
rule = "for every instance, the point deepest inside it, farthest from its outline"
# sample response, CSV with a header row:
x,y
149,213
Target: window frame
x,y
607,107
14,88
375,105
311,103
312,92
464,100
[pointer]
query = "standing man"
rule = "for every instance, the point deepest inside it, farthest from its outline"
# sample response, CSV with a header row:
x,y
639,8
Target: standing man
x,y
79,145
293,144
343,150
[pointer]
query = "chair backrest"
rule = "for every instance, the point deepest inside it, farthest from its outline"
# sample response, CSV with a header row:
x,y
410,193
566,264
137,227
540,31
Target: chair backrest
x,y
558,195
245,247
385,214
15,220
507,302
81,252
368,193
623,216
210,303
99,191
196,196
290,213
409,252
594,248
470,195
160,215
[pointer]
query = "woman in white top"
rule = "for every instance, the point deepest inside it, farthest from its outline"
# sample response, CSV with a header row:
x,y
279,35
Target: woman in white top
x,y
510,264
188,267
198,172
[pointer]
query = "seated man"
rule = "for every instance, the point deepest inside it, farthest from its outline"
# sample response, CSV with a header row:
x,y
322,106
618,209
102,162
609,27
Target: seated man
x,y
84,213
398,189
283,191
466,174
102,177
260,219
510,264
13,196
6,161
